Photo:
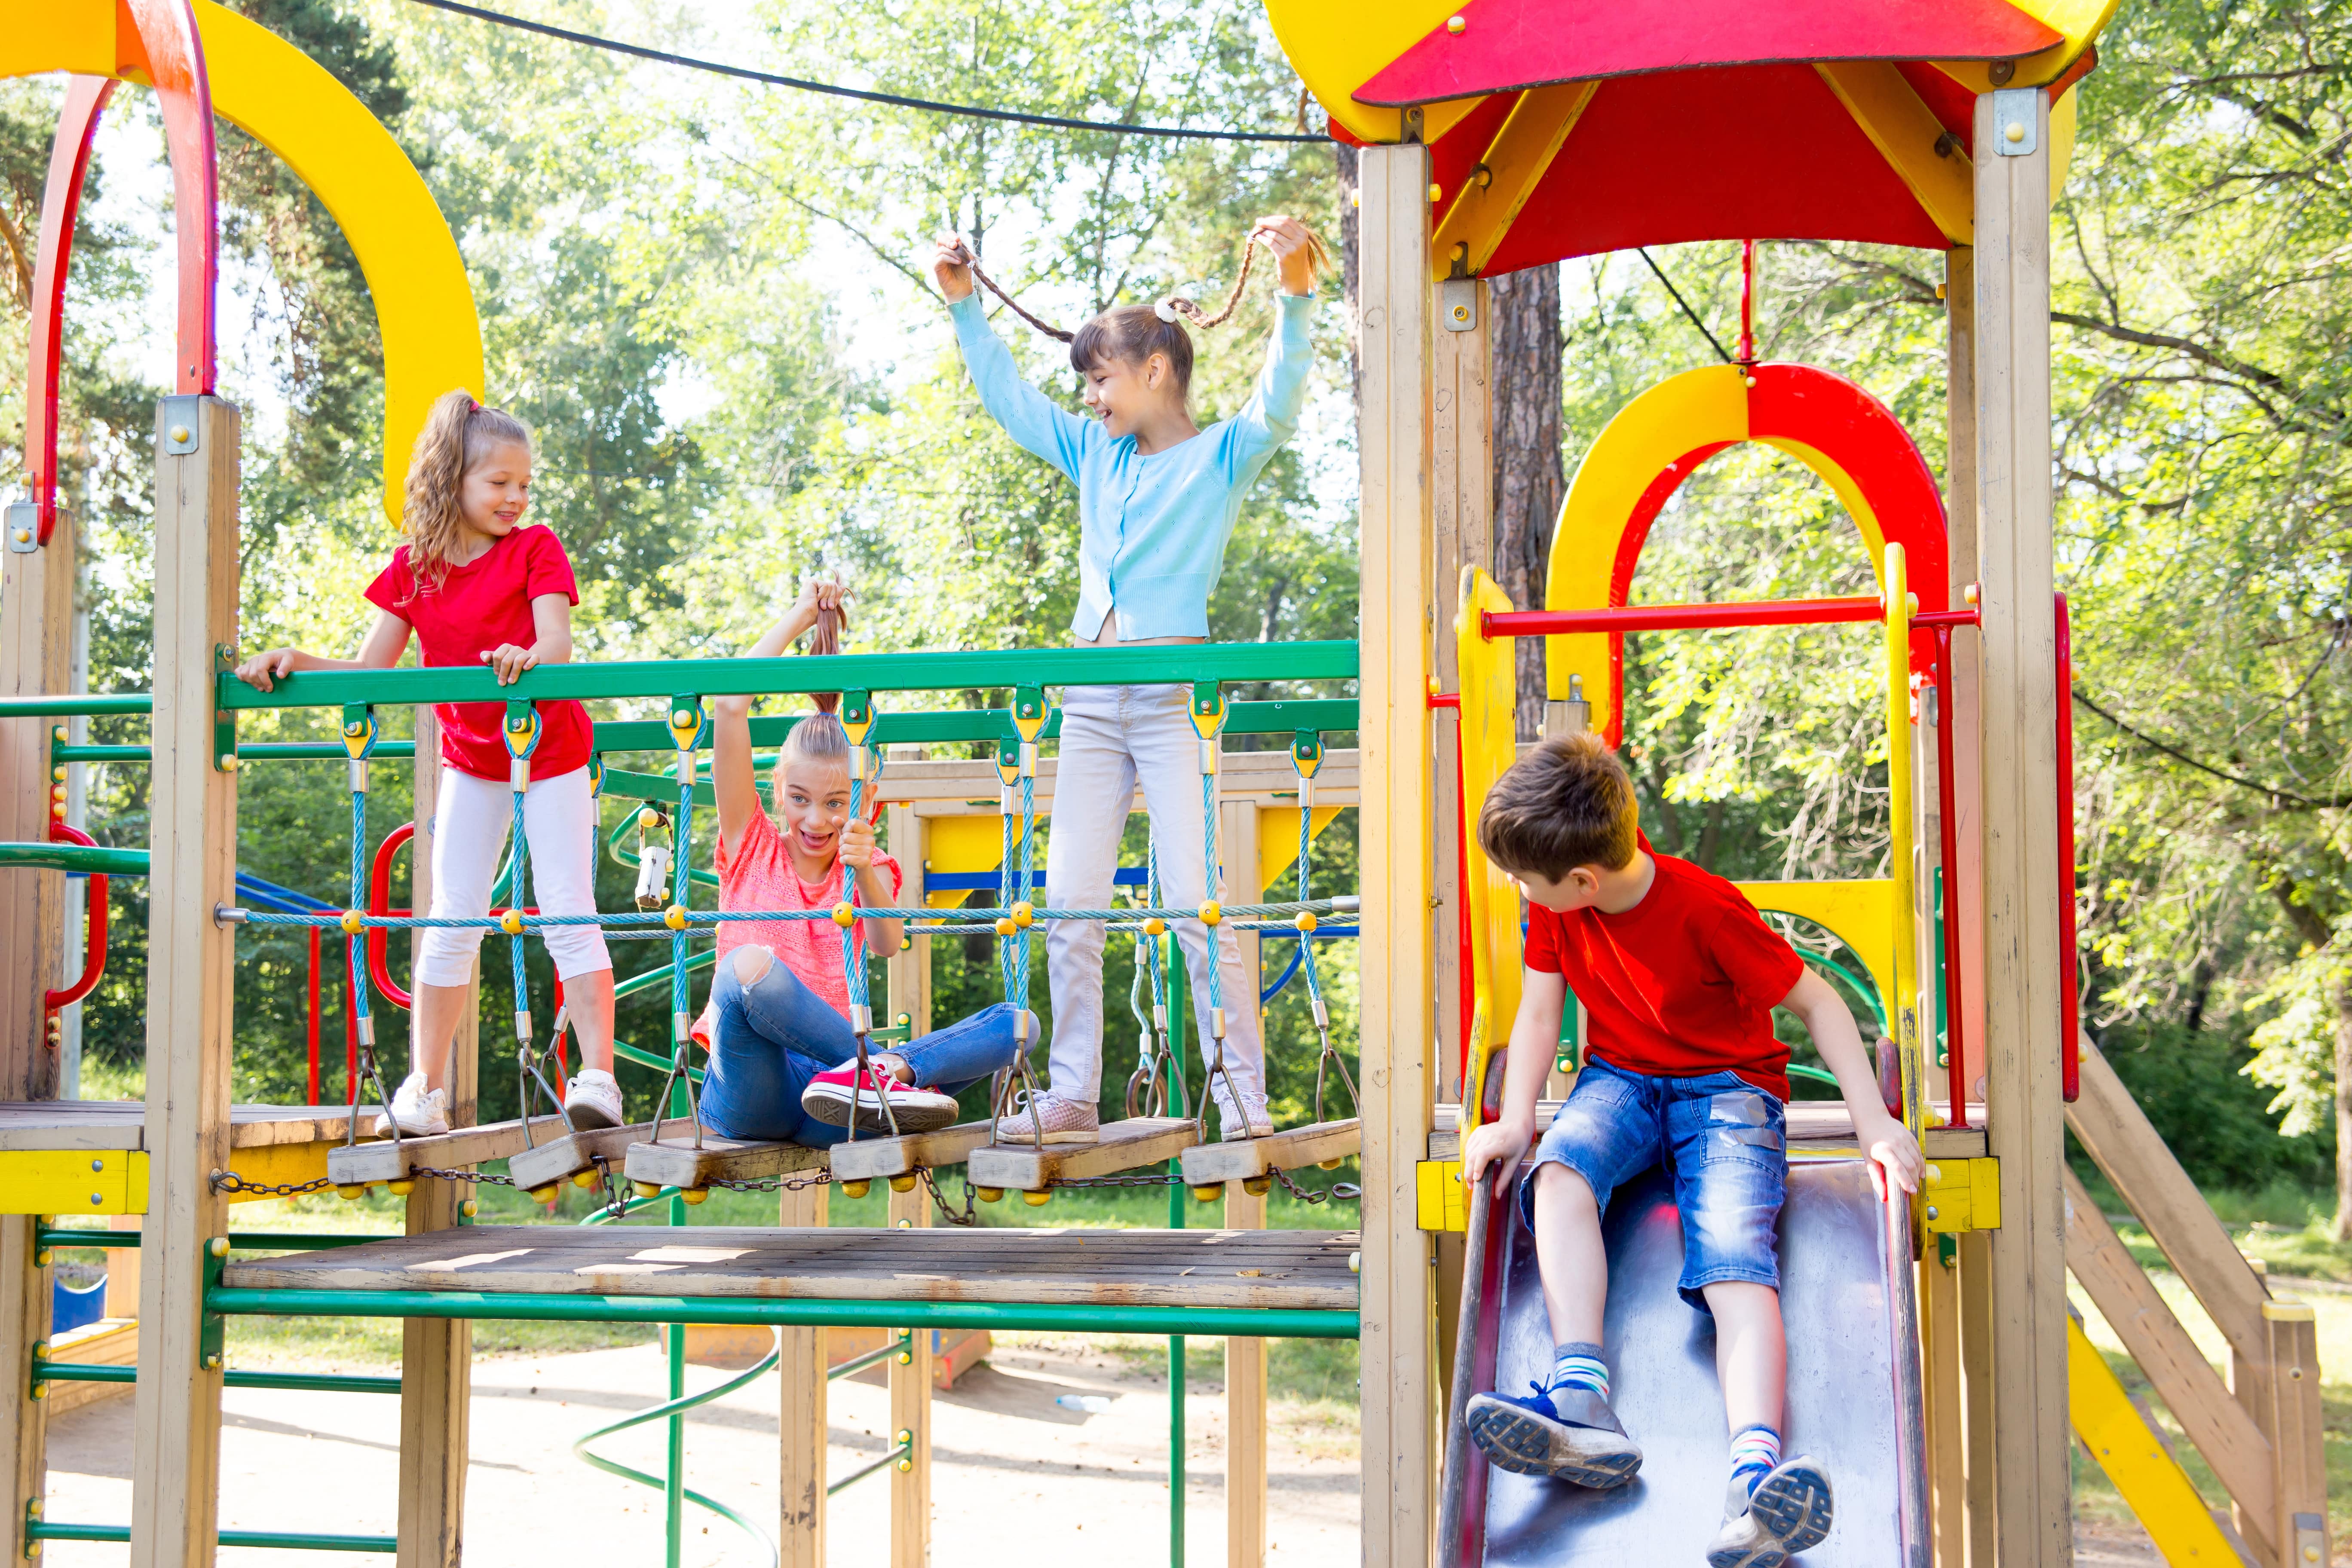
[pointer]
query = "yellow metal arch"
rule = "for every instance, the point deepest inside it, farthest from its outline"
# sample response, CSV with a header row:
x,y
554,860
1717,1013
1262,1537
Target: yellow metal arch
x,y
1488,743
286,102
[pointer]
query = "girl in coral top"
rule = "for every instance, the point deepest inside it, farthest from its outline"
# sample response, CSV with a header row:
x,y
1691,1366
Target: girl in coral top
x,y
476,585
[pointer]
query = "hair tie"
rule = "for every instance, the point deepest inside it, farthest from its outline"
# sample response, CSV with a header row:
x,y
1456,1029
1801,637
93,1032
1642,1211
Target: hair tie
x,y
474,404
1165,308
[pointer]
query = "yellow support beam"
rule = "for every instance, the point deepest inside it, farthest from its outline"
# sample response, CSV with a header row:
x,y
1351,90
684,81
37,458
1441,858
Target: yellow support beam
x,y
1437,1187
1908,135
73,1181
1961,1194
1481,213
2113,1432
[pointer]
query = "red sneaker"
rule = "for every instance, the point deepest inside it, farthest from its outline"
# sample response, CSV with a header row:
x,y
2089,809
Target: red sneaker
x,y
831,1096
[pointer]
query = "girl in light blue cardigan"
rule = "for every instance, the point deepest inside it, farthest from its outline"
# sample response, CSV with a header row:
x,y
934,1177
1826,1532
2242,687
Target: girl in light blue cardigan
x,y
1158,498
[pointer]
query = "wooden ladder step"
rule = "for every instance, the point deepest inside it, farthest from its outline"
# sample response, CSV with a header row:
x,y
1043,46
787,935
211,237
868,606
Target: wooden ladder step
x,y
871,1159
1124,1146
557,1158
676,1161
1251,1159
385,1161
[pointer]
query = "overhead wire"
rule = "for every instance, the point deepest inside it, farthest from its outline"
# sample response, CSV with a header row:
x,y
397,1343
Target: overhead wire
x,y
864,95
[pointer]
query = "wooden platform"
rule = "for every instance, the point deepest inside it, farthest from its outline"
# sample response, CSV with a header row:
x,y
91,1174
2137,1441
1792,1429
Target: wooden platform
x,y
1124,1146
381,1160
1280,1269
103,1124
871,1159
1819,1127
1293,1149
675,1162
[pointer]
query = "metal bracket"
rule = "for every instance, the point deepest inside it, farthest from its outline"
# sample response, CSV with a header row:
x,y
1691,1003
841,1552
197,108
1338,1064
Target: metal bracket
x,y
23,522
2016,120
177,421
1457,304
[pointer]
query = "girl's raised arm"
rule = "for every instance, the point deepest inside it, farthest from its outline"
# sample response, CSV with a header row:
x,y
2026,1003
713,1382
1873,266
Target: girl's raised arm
x,y
1270,417
734,782
1035,421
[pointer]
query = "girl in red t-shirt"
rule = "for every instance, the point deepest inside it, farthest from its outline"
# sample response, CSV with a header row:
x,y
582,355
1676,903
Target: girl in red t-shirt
x,y
476,586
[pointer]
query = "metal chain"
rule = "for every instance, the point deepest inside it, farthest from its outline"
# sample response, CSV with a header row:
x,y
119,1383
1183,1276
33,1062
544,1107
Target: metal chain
x,y
230,1182
948,1212
1159,1181
438,1174
1346,1192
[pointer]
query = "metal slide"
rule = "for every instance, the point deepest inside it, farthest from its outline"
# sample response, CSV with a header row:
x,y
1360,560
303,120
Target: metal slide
x,y
1853,1386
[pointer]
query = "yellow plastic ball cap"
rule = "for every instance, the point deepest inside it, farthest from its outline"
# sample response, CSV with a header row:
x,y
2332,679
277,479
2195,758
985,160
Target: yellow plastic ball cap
x,y
1209,1194
400,1189
545,1195
1024,915
673,917
354,921
1037,1200
1211,912
845,915
1306,921
583,1179
1004,927
989,1194
696,1194
902,1183
511,923
1155,926
647,1189
855,1189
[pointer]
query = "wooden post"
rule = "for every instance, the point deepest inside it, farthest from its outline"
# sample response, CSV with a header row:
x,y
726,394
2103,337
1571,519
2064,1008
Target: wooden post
x,y
1939,1324
1394,446
36,648
2299,1517
191,970
1462,521
911,1412
1967,805
437,1355
908,973
1246,1443
2017,675
1977,1393
801,1420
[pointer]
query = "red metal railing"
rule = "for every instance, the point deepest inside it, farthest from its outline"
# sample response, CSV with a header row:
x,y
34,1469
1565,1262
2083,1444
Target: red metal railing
x,y
2070,1002
380,904
94,928
1683,617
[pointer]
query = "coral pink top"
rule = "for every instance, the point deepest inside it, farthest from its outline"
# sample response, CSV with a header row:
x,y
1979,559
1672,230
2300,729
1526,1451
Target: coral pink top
x,y
757,874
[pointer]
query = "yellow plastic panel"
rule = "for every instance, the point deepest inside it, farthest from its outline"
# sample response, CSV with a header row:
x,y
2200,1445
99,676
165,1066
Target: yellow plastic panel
x,y
2150,1479
2063,115
1489,744
1336,48
287,102
275,1164
1437,1189
962,843
1862,914
1700,407
1277,846
1902,1004
73,1181
1961,1194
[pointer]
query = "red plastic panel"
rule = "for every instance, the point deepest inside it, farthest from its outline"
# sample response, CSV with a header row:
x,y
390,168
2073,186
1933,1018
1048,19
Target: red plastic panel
x,y
173,59
1509,44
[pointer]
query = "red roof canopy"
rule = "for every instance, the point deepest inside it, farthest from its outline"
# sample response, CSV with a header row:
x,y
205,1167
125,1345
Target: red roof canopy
x,y
1508,44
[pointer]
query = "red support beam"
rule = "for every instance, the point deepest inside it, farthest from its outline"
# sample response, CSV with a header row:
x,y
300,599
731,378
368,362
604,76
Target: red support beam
x,y
173,55
85,99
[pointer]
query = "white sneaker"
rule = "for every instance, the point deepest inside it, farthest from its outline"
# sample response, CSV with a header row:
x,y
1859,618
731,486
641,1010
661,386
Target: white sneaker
x,y
1254,1121
592,1100
1059,1120
421,1112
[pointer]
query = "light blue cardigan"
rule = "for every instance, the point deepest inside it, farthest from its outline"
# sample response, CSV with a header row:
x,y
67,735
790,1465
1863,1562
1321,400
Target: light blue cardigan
x,y
1152,529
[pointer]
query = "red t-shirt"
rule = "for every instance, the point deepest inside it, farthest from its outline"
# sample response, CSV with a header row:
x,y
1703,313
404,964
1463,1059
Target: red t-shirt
x,y
1680,985
478,606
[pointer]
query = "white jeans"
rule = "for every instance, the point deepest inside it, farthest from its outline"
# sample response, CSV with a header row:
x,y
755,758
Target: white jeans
x,y
1114,738
469,829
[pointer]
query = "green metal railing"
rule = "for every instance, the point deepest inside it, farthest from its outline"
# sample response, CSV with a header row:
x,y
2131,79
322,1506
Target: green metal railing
x,y
47,1370
288,1540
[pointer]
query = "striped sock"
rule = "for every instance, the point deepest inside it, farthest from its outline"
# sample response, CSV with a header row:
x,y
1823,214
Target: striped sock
x,y
1754,1451
1579,1366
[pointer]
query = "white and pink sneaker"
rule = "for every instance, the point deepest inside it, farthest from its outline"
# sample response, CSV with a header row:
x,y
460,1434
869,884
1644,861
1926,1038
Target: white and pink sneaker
x,y
831,1098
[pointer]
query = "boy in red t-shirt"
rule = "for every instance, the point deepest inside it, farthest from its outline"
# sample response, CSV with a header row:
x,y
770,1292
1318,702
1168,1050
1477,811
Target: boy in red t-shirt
x,y
1678,976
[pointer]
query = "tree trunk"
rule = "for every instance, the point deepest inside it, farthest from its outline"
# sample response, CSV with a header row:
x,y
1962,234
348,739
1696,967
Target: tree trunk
x,y
1344,159
1529,481
2343,1229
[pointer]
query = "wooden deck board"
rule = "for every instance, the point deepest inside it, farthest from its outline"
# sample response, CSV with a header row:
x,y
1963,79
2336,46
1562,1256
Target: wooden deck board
x,y
1293,1149
1815,1127
381,1160
1124,1146
102,1124
675,1162
872,1159
1305,1270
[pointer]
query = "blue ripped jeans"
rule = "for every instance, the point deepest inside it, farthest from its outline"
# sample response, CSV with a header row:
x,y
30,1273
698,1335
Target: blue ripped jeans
x,y
773,1035
1723,1139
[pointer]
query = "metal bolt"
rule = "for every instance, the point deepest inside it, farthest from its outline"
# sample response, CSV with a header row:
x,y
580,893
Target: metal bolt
x,y
97,1199
1454,24
1436,193
24,536
98,1165
2015,132
1932,1214
179,432
212,1362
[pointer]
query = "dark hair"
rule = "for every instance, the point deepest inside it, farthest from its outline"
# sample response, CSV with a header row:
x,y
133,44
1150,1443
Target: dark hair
x,y
1566,804
1133,334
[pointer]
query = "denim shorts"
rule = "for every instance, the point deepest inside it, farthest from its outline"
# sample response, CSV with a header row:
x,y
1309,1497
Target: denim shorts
x,y
1721,1138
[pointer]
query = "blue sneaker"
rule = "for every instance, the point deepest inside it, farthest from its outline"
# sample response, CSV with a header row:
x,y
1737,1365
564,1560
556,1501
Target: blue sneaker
x,y
1791,1511
1566,1431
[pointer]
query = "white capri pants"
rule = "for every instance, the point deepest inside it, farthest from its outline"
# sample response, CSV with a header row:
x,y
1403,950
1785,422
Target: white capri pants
x,y
1115,737
470,831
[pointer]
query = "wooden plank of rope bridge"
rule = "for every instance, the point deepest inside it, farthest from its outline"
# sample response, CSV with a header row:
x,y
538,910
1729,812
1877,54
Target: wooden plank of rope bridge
x,y
436,1355
1303,1270
191,977
871,1158
681,1165
381,1160
1292,1149
574,1152
2229,1438
1124,1146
